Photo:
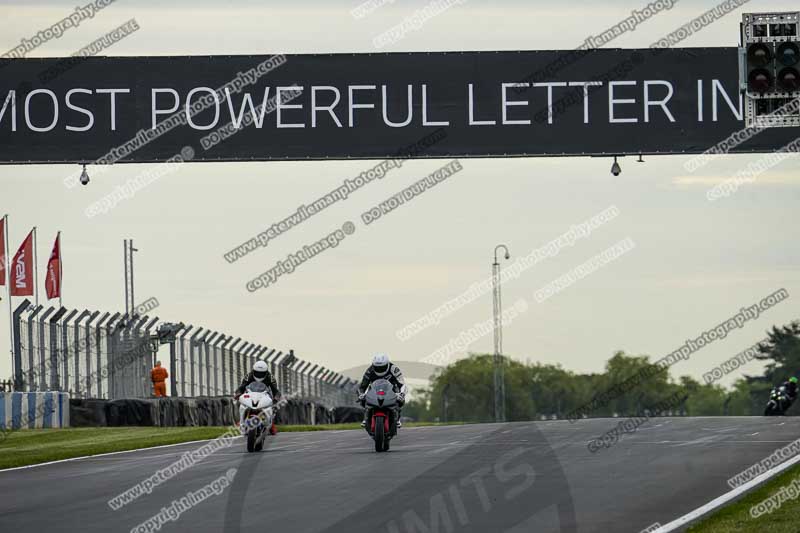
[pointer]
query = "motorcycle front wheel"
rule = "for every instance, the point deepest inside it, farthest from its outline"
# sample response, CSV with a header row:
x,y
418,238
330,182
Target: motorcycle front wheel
x,y
380,436
252,435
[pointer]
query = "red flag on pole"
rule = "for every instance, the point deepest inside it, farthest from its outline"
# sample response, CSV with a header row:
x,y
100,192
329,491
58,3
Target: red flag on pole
x,y
3,251
21,272
52,282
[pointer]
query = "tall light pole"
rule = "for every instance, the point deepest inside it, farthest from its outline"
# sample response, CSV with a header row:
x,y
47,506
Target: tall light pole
x,y
499,373
130,302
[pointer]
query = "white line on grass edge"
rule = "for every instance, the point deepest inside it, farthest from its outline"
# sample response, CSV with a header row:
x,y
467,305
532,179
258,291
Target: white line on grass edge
x,y
106,454
329,431
728,496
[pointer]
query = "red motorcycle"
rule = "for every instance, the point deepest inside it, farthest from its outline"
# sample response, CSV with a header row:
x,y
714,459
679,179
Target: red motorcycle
x,y
381,403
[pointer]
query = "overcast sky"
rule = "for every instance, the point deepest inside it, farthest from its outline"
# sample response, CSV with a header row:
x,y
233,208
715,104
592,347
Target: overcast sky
x,y
694,265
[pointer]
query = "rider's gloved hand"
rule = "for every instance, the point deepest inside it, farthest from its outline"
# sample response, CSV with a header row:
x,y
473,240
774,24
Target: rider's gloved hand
x,y
361,396
401,398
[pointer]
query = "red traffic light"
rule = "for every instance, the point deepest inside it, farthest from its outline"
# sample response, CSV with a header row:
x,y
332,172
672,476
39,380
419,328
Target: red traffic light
x,y
760,80
789,79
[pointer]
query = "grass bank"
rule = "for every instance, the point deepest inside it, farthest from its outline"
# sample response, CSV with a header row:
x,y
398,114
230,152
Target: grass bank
x,y
736,516
33,446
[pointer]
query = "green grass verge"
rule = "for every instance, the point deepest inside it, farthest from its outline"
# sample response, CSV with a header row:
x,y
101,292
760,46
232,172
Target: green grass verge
x,y
736,516
32,446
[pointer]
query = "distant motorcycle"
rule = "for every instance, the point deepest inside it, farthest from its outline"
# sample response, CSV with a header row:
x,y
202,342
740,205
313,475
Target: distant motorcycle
x,y
381,403
256,415
779,402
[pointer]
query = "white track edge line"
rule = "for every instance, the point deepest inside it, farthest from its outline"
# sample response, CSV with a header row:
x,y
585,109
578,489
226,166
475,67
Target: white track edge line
x,y
155,448
25,467
728,496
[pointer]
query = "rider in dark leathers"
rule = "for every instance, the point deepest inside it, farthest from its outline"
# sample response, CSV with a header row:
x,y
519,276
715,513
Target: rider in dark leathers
x,y
382,368
791,388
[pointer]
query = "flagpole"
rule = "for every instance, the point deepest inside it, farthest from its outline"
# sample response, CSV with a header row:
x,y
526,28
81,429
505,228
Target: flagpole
x,y
6,265
35,269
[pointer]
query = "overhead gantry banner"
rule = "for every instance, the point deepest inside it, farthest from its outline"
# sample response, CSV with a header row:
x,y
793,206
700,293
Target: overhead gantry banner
x,y
341,106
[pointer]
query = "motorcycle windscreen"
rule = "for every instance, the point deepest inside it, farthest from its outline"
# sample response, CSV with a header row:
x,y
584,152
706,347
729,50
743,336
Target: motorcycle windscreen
x,y
257,386
383,386
382,394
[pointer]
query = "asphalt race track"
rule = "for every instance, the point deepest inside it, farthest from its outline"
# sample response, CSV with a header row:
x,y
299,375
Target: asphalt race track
x,y
494,477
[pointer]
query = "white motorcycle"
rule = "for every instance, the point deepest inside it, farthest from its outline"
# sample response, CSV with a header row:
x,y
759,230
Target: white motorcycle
x,y
256,415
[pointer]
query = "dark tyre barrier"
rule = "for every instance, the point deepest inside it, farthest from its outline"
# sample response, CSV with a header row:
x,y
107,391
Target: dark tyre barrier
x,y
304,412
88,413
345,415
210,411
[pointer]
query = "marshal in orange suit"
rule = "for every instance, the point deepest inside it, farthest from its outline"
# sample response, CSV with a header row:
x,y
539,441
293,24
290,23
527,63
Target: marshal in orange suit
x,y
159,376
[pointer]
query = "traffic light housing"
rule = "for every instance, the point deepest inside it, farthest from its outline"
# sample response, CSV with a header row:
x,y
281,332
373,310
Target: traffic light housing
x,y
769,68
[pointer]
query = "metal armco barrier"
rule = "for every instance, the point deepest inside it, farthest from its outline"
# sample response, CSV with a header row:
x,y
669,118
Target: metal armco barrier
x,y
103,355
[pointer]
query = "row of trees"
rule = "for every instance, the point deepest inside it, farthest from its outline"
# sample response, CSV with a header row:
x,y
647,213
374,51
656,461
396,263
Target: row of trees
x,y
464,390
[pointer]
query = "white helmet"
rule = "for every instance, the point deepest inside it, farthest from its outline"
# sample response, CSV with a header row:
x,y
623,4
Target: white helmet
x,y
260,371
380,364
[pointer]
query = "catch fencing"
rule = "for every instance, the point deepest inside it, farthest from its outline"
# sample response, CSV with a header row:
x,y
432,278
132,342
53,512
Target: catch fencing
x,y
103,355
